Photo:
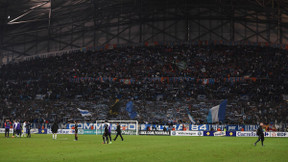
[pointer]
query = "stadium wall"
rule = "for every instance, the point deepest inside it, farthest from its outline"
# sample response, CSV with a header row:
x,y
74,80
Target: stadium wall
x,y
164,133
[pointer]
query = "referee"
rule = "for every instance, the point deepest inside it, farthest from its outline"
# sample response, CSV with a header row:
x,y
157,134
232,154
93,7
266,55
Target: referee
x,y
260,134
118,130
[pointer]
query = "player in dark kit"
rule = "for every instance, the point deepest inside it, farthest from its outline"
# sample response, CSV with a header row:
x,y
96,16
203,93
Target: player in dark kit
x,y
28,128
18,129
109,130
7,128
76,131
118,130
105,134
260,134
54,130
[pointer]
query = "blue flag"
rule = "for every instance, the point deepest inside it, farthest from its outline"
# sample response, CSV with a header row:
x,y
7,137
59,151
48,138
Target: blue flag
x,y
217,113
190,117
84,112
129,109
129,106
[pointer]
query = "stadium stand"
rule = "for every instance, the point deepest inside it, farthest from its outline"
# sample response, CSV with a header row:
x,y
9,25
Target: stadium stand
x,y
162,81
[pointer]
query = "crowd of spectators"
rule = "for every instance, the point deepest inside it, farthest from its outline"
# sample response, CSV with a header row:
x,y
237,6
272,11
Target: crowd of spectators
x,y
46,89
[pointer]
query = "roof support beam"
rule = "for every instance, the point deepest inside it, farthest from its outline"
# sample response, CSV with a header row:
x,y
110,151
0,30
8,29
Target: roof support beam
x,y
14,21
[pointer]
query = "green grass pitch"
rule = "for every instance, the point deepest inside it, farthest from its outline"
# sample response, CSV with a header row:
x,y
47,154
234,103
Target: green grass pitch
x,y
42,148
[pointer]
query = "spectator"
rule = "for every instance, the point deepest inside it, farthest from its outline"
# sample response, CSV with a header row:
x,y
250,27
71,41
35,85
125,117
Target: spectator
x,y
46,89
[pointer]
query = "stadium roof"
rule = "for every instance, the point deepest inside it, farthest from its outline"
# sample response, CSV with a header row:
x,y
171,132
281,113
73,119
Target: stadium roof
x,y
32,20
25,11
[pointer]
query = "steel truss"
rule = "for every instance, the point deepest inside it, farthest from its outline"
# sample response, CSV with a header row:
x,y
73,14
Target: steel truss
x,y
52,25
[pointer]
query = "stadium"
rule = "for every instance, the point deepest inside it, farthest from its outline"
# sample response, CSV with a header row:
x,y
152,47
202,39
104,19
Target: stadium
x,y
176,80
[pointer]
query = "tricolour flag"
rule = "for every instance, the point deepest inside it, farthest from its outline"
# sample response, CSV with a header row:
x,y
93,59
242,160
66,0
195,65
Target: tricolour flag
x,y
84,112
217,113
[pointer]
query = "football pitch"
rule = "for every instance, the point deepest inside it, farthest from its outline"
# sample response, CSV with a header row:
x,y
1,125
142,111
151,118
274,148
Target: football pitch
x,y
141,148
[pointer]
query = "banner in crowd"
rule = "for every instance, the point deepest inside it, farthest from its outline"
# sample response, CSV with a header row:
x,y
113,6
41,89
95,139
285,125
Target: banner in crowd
x,y
251,127
216,126
201,127
155,133
144,127
92,126
186,133
232,127
177,127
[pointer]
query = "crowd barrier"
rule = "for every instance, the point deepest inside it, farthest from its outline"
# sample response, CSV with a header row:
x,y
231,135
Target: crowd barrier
x,y
155,133
177,127
186,133
227,133
83,131
2,130
32,131
100,132
161,133
200,127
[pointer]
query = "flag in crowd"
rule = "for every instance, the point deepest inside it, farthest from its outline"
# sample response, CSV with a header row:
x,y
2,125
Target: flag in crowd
x,y
190,117
84,112
217,113
130,110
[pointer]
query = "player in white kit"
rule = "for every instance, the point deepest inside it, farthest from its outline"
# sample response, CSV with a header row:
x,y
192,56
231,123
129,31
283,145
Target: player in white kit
x,y
24,129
